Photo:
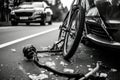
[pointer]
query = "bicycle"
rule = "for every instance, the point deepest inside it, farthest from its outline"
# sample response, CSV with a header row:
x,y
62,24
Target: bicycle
x,y
71,30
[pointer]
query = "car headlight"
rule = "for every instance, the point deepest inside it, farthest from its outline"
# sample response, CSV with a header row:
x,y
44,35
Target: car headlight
x,y
12,13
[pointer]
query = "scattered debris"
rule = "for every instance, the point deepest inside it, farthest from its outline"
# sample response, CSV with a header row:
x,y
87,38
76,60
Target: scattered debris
x,y
22,69
51,73
46,48
69,70
39,77
13,50
90,69
81,65
57,58
97,74
33,77
88,66
63,63
42,76
49,47
1,65
103,75
114,70
77,66
28,73
91,56
42,71
42,55
51,64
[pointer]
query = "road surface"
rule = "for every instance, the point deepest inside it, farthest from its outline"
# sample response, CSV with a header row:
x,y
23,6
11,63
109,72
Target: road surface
x,y
13,65
12,40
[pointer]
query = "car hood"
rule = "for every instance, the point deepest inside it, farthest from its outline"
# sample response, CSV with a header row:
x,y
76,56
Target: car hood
x,y
109,11
28,9
111,16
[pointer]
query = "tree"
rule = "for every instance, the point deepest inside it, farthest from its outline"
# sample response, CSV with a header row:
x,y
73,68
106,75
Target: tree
x,y
58,10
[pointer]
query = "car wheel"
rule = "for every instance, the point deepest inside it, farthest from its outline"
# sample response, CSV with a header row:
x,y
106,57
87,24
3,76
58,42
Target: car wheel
x,y
50,23
42,23
14,23
27,23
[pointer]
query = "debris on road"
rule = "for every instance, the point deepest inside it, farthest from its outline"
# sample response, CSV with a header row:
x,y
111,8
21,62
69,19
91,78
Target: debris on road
x,y
13,50
88,66
91,56
1,65
63,63
103,75
39,77
42,55
51,64
68,70
113,70
90,69
42,72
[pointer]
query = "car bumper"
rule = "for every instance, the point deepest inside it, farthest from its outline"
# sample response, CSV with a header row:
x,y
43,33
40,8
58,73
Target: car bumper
x,y
103,42
25,19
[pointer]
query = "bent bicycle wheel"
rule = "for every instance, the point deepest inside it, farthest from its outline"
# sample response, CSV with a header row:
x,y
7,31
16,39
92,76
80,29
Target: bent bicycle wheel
x,y
74,33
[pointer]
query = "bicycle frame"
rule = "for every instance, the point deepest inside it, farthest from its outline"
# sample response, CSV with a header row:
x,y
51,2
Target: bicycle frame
x,y
66,28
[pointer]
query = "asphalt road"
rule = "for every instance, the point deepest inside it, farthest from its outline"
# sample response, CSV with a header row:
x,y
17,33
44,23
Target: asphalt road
x,y
13,65
12,40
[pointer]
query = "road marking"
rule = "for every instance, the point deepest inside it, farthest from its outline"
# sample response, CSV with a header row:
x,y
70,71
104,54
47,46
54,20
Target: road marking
x,y
25,38
6,27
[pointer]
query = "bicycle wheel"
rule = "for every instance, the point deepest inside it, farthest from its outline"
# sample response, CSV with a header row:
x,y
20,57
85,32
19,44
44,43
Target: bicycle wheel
x,y
74,33
63,28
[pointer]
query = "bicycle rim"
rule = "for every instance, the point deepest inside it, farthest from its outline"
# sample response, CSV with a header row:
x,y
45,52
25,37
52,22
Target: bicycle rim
x,y
63,28
73,36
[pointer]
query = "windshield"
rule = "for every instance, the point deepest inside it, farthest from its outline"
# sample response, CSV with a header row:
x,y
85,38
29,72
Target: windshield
x,y
26,5
32,5
38,5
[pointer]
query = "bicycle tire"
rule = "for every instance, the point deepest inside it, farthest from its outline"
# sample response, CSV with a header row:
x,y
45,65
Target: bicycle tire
x,y
62,31
78,14
63,27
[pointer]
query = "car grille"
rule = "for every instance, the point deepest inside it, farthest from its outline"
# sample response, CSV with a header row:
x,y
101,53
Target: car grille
x,y
23,14
97,30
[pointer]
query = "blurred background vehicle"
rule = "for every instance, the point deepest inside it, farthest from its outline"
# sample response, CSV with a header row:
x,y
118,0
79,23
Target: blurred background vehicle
x,y
29,12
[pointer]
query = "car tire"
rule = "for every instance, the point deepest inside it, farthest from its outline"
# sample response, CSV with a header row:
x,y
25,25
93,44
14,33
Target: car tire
x,y
50,22
77,15
14,23
27,24
42,23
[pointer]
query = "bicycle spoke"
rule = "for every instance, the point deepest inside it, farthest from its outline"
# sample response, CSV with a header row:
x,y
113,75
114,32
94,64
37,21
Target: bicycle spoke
x,y
74,33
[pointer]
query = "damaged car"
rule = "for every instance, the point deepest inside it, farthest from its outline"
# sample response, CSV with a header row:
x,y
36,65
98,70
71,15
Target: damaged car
x,y
102,23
